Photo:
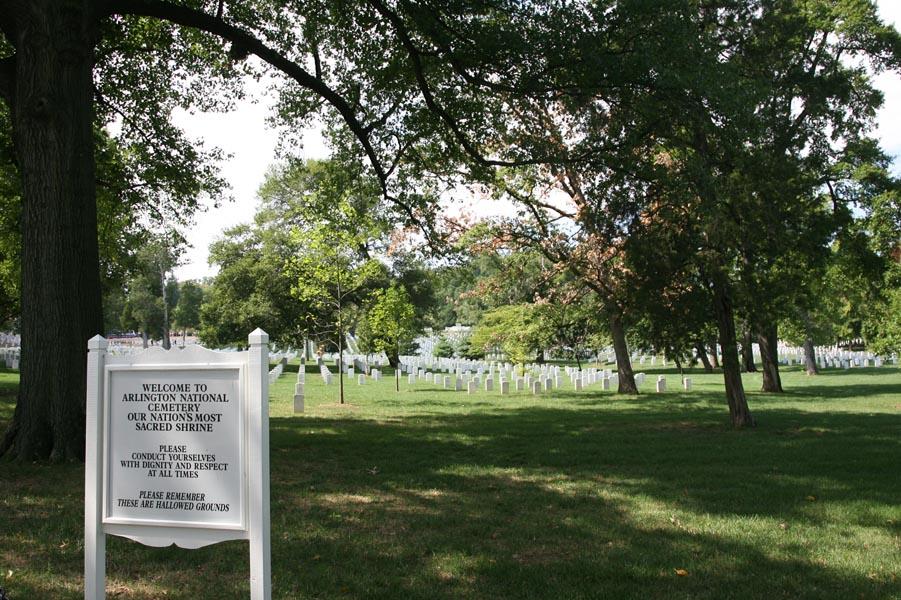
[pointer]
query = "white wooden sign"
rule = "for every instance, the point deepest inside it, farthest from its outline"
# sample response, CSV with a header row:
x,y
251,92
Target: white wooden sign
x,y
178,453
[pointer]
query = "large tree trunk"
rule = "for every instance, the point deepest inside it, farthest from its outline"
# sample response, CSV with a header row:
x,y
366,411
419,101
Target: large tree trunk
x,y
713,354
393,360
623,362
747,352
810,359
735,391
51,104
769,354
702,354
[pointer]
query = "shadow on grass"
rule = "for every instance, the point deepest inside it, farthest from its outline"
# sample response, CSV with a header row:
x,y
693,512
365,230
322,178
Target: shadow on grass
x,y
540,502
596,496
846,391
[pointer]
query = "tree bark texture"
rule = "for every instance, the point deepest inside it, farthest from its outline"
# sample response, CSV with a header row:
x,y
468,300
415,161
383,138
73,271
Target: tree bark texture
x,y
767,337
747,352
702,355
623,362
735,391
52,113
393,359
713,354
810,359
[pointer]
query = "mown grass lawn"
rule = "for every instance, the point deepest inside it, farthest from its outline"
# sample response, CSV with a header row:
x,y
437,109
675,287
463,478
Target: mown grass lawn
x,y
435,494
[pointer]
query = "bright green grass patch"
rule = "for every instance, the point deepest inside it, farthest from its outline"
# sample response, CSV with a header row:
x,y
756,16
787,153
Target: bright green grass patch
x,y
428,493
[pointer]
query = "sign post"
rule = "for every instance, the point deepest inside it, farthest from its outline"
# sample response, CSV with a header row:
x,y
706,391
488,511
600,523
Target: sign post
x,y
178,453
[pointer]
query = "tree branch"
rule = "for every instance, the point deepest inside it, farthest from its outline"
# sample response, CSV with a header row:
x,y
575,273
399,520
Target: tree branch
x,y
419,72
247,42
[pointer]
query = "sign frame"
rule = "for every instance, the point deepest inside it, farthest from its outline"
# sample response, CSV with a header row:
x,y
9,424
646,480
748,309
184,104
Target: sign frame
x,y
252,388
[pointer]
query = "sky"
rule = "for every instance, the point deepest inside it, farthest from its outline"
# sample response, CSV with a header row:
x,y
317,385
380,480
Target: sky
x,y
251,146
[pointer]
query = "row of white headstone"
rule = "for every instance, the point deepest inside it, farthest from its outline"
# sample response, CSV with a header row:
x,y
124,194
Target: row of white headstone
x,y
10,357
554,378
373,372
827,356
276,372
10,340
850,360
417,364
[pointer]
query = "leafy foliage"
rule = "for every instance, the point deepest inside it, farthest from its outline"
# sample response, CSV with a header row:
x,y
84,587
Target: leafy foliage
x,y
251,289
389,324
187,310
517,330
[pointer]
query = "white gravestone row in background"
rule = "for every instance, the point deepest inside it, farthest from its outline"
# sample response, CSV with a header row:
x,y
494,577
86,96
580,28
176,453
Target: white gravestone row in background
x,y
535,378
10,340
826,357
276,372
9,357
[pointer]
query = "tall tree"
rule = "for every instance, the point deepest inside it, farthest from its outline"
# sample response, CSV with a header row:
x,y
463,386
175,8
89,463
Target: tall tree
x,y
331,274
187,310
777,90
252,289
46,81
516,330
389,324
